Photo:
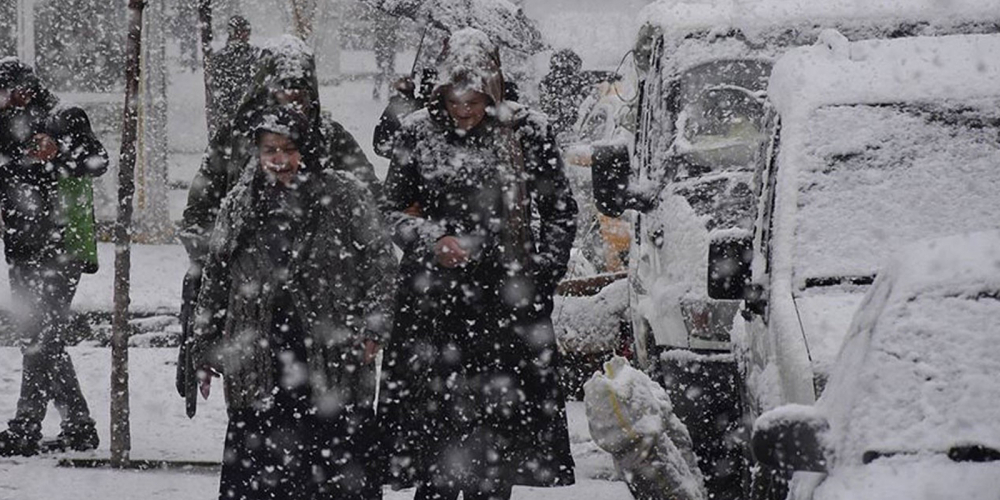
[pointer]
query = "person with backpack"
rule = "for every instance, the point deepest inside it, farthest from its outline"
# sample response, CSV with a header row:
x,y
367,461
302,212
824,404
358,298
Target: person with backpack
x,y
48,156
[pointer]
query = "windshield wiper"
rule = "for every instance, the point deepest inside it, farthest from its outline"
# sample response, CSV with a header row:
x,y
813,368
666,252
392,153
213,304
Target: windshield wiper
x,y
839,280
973,453
965,453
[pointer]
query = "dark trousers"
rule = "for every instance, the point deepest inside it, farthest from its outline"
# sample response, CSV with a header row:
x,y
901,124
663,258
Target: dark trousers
x,y
42,296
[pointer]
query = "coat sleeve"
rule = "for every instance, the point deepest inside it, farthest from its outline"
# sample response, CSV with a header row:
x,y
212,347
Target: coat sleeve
x,y
403,184
205,197
210,314
390,123
376,269
346,156
81,154
553,199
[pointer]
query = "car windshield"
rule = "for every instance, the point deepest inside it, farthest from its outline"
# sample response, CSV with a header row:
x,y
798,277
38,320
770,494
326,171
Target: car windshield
x,y
873,177
721,114
930,378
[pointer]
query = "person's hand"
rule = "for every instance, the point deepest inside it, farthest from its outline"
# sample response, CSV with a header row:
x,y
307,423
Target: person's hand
x,y
43,148
371,349
205,376
450,253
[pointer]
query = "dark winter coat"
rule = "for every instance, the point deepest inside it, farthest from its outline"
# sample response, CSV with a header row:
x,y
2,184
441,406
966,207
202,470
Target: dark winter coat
x,y
232,146
232,72
472,384
339,283
563,90
35,226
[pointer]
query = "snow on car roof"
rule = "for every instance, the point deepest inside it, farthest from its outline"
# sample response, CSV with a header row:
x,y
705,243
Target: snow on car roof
x,y
685,16
835,71
919,370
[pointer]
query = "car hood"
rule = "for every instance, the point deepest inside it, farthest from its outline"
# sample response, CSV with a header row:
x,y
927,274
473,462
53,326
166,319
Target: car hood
x,y
826,314
927,477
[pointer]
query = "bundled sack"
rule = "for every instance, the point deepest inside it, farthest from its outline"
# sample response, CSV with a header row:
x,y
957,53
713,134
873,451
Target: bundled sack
x,y
631,417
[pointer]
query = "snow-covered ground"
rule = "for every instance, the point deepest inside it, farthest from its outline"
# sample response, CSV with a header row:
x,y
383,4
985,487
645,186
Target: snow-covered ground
x,y
161,431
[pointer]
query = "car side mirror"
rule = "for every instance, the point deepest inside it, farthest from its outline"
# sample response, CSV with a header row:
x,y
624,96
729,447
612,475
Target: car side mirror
x,y
729,272
755,298
791,438
612,166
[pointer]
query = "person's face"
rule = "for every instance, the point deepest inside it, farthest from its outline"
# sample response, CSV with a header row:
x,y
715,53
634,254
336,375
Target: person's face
x,y
239,35
17,97
467,108
297,99
279,157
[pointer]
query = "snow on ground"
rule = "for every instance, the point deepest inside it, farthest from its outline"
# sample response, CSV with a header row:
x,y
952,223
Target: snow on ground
x,y
161,430
157,270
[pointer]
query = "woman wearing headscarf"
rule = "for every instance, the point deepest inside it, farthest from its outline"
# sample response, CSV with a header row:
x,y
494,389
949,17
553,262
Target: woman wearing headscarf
x,y
291,308
478,201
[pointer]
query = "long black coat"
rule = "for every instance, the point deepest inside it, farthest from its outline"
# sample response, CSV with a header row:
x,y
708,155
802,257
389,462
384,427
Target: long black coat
x,y
339,281
472,389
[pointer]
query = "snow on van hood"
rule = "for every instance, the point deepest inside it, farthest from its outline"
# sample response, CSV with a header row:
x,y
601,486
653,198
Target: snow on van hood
x,y
919,372
908,478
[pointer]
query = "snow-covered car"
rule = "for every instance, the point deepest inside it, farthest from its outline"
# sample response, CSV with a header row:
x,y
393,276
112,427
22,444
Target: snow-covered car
x,y
704,130
911,407
879,144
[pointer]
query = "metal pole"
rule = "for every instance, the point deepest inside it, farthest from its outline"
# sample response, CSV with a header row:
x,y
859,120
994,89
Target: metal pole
x,y
121,442
205,26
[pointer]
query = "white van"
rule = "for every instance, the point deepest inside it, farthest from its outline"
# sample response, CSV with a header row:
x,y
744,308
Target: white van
x,y
879,144
704,129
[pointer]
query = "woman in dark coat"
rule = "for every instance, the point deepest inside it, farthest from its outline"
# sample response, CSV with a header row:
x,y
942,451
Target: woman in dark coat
x,y
292,307
478,201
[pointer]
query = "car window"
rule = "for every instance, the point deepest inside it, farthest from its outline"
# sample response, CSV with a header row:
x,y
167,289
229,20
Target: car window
x,y
721,115
871,178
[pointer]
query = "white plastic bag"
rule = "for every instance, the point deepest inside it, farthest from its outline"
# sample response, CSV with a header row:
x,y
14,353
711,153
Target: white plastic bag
x,y
631,417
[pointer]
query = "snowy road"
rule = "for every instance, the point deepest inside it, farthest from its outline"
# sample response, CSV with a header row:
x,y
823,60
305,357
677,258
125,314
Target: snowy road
x,y
161,430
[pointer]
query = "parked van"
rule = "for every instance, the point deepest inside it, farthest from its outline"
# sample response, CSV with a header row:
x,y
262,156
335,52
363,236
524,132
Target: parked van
x,y
704,129
879,144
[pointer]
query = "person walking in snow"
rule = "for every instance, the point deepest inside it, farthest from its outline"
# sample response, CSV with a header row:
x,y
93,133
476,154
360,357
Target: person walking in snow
x,y
45,151
478,201
286,76
292,309
232,71
563,89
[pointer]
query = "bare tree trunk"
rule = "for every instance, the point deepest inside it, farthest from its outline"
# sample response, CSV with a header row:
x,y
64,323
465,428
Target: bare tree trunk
x,y
205,25
152,218
303,11
120,433
26,31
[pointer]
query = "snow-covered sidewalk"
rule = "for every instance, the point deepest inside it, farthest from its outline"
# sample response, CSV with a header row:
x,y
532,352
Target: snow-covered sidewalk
x,y
161,431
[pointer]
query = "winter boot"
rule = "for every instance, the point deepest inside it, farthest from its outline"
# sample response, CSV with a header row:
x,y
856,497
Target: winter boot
x,y
19,440
76,437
